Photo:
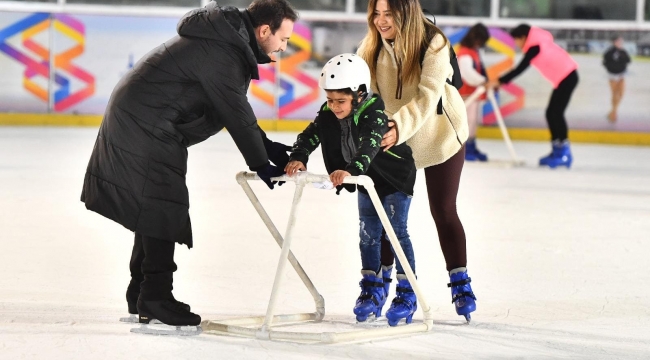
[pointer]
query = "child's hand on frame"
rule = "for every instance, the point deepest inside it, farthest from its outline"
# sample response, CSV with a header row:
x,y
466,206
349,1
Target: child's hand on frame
x,y
293,167
337,177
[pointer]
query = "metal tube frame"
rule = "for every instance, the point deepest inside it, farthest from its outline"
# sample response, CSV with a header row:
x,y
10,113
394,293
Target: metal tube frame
x,y
261,327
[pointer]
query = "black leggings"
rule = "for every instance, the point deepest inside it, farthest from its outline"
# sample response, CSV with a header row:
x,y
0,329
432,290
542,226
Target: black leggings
x,y
442,188
557,106
152,267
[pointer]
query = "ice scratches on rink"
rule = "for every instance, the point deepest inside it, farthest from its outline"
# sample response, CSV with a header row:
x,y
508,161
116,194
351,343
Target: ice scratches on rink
x,y
332,329
330,323
559,258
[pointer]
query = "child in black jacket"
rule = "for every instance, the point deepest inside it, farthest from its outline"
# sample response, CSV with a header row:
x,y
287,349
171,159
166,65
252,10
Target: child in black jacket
x,y
350,126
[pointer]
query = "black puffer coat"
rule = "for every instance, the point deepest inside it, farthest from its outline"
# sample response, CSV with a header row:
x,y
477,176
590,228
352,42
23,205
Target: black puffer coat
x,y
179,94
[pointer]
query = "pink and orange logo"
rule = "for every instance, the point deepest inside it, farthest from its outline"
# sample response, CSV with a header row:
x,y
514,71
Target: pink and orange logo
x,y
37,58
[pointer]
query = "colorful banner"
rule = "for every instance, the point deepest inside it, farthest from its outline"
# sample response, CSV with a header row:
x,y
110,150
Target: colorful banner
x,y
291,76
35,56
90,53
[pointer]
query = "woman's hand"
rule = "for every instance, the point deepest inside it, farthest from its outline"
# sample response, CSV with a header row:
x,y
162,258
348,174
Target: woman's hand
x,y
293,167
337,177
390,137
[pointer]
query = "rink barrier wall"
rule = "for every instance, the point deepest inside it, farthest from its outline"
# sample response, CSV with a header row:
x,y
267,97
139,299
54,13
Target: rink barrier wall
x,y
577,136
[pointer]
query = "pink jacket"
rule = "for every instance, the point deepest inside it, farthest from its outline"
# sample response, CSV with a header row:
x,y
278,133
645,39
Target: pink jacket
x,y
553,62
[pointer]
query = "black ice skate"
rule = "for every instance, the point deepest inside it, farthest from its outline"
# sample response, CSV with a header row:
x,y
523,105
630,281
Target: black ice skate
x,y
133,310
166,317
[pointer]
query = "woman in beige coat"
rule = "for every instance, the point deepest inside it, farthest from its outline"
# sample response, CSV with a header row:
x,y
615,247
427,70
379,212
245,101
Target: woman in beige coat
x,y
428,114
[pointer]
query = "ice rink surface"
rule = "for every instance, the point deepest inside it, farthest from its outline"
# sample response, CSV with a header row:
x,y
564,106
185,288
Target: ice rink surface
x,y
558,258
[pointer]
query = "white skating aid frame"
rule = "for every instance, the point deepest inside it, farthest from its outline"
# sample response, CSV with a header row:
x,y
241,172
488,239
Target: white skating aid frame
x,y
502,126
261,326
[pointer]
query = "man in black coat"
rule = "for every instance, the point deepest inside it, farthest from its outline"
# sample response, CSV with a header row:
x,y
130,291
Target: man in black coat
x,y
179,94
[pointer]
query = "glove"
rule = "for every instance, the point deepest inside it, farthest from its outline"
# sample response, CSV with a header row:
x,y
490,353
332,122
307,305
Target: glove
x,y
268,171
277,153
349,187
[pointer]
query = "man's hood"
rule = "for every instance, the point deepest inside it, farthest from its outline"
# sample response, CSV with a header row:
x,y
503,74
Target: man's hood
x,y
224,24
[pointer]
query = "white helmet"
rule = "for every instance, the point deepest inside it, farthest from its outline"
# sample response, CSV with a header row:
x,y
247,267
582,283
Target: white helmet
x,y
345,71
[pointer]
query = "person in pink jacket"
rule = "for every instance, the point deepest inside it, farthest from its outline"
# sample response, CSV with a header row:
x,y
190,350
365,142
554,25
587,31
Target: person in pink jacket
x,y
559,68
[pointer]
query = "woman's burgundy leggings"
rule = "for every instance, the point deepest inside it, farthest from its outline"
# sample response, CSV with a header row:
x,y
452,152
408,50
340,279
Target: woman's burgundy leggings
x,y
442,188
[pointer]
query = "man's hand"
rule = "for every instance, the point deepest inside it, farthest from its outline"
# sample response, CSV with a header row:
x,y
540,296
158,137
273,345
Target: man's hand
x,y
337,177
293,167
268,171
390,137
277,153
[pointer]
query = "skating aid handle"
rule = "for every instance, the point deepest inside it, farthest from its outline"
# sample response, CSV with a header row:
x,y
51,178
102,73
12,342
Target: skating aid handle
x,y
305,177
497,113
475,95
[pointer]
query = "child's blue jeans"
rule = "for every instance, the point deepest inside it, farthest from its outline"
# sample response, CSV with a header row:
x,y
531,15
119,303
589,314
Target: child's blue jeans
x,y
396,206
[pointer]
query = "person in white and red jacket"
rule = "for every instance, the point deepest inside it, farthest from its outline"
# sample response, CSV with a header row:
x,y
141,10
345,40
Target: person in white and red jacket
x,y
472,71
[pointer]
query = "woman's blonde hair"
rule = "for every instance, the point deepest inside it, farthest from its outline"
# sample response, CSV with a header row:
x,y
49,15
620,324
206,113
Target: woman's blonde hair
x,y
413,31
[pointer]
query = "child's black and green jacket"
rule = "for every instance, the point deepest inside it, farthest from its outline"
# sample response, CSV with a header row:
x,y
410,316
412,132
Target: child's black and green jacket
x,y
353,145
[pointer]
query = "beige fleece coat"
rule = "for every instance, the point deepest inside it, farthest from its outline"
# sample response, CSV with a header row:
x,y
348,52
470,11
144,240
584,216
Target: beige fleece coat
x,y
433,138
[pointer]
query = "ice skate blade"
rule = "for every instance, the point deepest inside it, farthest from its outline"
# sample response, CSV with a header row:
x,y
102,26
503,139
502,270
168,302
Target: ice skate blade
x,y
400,322
155,327
373,322
132,319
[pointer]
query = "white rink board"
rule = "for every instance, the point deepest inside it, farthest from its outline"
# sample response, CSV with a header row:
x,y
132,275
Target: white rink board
x,y
557,258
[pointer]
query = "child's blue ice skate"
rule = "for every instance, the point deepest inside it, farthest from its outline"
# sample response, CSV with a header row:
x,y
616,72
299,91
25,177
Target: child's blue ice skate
x,y
386,271
461,294
372,297
404,304
472,153
560,156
